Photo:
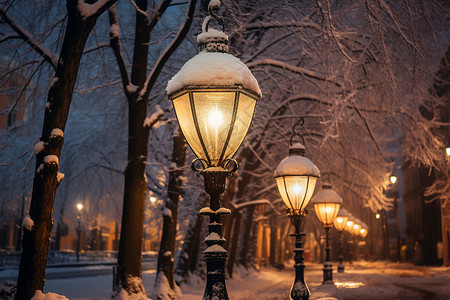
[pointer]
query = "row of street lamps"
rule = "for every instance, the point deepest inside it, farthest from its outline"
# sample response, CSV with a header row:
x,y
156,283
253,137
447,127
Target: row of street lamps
x,y
214,97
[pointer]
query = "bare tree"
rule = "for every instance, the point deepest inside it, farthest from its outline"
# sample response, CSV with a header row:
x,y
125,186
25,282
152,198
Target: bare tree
x,y
35,242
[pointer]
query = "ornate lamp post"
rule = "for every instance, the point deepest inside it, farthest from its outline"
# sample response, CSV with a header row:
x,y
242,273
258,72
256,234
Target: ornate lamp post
x,y
296,178
214,97
326,205
79,209
340,223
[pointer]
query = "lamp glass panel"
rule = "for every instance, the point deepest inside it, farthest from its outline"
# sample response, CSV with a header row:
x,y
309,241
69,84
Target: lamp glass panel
x,y
183,111
340,222
296,191
326,212
349,226
244,116
214,112
356,228
363,232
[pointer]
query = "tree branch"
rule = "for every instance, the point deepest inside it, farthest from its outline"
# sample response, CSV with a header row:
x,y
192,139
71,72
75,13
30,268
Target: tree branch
x,y
114,42
49,56
182,32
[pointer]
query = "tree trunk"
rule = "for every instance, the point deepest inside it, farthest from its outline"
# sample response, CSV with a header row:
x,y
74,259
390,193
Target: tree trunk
x,y
130,246
35,242
167,247
244,253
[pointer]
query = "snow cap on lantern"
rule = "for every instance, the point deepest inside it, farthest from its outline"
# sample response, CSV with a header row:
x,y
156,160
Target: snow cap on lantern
x,y
296,178
326,205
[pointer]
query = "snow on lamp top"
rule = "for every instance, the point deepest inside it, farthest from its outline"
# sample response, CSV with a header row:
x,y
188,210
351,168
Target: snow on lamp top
x,y
213,69
295,164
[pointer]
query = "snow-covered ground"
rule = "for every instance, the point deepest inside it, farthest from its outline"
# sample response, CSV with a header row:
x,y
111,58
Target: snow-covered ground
x,y
361,280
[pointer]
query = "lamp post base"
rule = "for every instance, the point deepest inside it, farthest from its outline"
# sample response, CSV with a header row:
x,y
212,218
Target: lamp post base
x,y
327,273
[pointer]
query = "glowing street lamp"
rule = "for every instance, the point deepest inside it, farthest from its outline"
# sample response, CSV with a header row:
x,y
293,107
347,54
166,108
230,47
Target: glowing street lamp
x,y
296,178
326,205
79,209
393,179
364,230
447,151
340,223
214,97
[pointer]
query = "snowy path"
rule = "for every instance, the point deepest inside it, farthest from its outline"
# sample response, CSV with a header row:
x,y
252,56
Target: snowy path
x,y
362,280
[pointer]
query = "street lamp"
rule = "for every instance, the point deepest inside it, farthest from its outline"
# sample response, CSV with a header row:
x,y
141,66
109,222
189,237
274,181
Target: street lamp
x,y
394,194
214,97
79,209
340,223
364,230
326,205
296,178
447,151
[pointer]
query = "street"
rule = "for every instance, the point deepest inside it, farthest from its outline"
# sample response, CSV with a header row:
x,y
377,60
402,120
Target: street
x,y
362,280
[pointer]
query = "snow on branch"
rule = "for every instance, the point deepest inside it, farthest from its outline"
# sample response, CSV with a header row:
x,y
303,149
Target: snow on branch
x,y
28,223
255,202
87,10
150,121
286,66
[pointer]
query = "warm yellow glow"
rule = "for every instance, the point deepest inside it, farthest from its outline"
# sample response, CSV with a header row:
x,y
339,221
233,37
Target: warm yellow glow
x,y
393,179
153,199
296,191
215,119
214,122
356,228
377,216
349,227
447,151
350,284
340,222
79,206
363,232
326,212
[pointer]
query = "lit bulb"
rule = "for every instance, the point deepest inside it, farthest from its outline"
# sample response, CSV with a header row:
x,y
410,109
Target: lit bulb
x,y
377,216
349,223
215,119
355,226
297,189
362,231
79,206
339,220
447,150
328,210
152,199
393,179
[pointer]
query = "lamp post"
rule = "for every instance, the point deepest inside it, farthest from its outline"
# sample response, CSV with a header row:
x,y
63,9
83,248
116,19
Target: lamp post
x,y
349,229
296,178
339,223
394,194
356,234
214,97
326,205
79,209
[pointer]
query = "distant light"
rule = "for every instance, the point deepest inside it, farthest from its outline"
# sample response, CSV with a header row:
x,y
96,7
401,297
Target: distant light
x,y
79,206
393,179
153,199
377,216
447,151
